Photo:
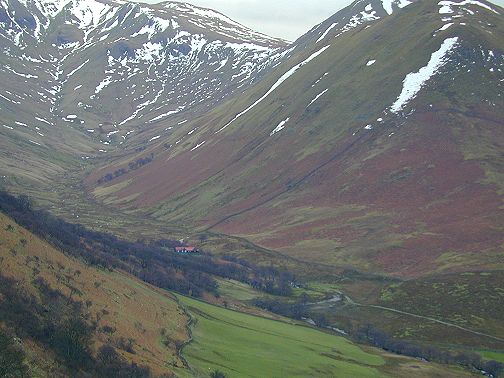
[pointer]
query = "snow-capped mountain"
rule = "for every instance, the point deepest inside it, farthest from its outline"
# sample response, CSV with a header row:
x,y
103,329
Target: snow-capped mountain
x,y
371,147
357,16
354,132
109,67
377,141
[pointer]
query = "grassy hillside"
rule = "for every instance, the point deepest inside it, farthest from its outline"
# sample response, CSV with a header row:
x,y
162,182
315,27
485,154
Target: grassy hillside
x,y
126,309
243,345
393,198
471,300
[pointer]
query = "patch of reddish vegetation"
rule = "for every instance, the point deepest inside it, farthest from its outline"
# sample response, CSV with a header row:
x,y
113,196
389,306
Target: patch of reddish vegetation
x,y
425,197
422,184
281,231
469,221
444,193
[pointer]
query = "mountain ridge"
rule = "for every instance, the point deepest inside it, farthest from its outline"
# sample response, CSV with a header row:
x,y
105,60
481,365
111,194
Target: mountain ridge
x,y
148,63
254,170
237,182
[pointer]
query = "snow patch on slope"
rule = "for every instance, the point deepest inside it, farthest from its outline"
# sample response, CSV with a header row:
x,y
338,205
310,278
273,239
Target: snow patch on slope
x,y
317,97
77,69
388,5
416,80
284,77
280,127
446,6
198,145
326,32
167,114
444,27
103,84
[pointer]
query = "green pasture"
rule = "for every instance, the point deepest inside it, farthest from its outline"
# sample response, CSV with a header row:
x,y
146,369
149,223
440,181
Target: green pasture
x,y
242,345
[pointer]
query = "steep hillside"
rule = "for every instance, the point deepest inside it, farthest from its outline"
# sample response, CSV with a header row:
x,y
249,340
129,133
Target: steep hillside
x,y
145,324
377,147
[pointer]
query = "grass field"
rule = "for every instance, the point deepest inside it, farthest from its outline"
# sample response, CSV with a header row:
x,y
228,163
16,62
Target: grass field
x,y
237,290
242,345
492,355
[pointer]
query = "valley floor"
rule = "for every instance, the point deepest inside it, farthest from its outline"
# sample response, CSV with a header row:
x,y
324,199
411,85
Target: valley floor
x,y
154,323
242,345
383,300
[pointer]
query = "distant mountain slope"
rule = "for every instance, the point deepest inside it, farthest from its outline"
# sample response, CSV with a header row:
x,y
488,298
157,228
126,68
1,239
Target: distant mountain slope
x,y
377,147
357,14
81,77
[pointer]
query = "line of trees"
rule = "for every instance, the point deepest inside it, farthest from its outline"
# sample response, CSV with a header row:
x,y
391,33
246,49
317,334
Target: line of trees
x,y
266,278
155,263
122,171
295,310
371,335
368,334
